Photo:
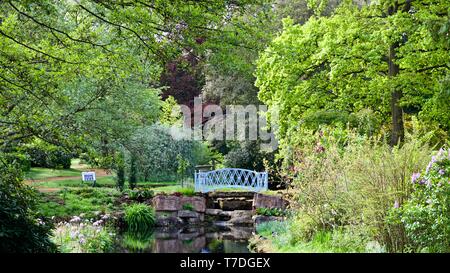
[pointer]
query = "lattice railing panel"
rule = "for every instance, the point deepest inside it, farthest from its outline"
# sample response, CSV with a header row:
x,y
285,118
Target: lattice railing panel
x,y
231,178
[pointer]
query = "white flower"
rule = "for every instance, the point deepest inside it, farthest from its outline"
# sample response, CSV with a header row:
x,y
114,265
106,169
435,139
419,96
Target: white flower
x,y
73,234
75,219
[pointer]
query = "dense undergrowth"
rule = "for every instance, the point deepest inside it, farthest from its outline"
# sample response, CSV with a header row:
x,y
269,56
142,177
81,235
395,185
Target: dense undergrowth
x,y
344,192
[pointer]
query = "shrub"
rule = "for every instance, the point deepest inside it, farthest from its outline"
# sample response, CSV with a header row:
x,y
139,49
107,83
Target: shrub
x,y
21,230
426,216
140,194
354,181
133,174
270,212
245,155
152,153
120,180
139,217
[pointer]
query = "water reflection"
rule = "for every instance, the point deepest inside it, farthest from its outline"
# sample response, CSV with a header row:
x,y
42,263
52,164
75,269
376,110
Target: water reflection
x,y
212,239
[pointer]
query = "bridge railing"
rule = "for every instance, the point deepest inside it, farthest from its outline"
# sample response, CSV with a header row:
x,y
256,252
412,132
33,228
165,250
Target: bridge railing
x,y
231,178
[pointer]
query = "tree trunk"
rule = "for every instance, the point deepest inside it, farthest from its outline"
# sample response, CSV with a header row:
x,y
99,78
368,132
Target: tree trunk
x,y
398,130
397,134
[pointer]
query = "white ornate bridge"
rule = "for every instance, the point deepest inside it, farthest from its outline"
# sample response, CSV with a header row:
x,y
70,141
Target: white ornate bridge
x,y
231,178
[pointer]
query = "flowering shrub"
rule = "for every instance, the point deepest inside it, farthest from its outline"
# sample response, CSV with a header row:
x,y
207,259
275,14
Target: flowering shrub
x,y
83,236
426,215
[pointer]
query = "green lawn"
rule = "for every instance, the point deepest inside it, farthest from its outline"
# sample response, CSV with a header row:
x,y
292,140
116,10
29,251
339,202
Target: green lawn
x,y
42,173
104,182
167,189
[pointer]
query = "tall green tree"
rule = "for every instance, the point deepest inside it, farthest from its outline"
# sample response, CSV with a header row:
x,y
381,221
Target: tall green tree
x,y
86,73
388,56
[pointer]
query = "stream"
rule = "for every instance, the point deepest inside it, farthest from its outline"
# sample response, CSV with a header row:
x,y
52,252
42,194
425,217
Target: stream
x,y
214,238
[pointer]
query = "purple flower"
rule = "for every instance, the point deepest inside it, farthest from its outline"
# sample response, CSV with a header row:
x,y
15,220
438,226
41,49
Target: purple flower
x,y
414,177
430,165
423,181
396,204
441,172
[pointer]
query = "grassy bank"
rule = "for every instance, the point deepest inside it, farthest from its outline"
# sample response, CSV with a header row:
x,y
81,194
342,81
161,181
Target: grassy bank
x,y
280,237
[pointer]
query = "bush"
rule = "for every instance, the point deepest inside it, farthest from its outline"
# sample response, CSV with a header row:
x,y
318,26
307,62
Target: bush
x,y
21,231
139,217
353,181
426,216
245,155
152,154
120,179
140,194
132,181
270,212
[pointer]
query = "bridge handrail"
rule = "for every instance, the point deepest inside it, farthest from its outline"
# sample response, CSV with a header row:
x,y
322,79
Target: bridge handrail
x,y
231,178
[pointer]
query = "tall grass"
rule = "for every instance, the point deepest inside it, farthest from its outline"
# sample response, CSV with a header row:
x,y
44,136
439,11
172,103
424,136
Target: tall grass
x,y
139,217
